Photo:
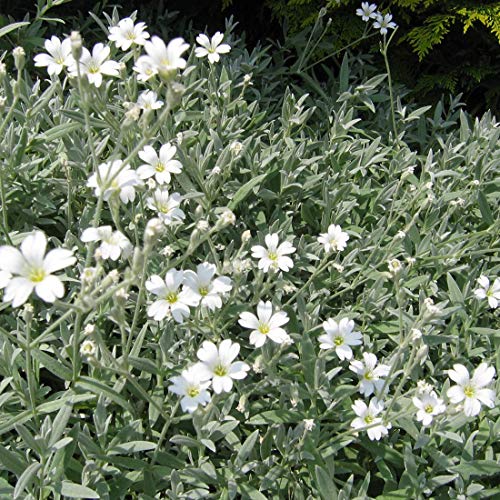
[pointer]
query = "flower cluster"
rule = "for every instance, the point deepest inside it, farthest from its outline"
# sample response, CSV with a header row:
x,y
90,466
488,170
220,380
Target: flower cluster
x,y
382,22
180,290
216,368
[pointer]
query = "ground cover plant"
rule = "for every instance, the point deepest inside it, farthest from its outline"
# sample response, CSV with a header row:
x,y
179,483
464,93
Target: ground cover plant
x,y
224,279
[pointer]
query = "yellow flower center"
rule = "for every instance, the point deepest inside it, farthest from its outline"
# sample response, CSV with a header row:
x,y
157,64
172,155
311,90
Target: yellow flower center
x,y
93,69
193,392
469,391
164,209
203,291
220,370
171,297
264,329
272,255
338,340
368,419
37,275
368,375
159,167
428,409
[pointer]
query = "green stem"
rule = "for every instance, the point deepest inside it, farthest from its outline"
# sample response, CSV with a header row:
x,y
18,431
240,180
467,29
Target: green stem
x,y
391,93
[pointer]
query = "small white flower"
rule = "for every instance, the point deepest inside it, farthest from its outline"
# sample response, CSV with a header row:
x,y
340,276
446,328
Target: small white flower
x,y
367,416
167,206
115,179
88,349
273,257
400,235
334,239
370,375
145,68
148,101
58,57
96,64
472,390
416,334
265,324
309,424
202,225
394,266
165,59
340,336
89,329
236,147
167,251
171,299
160,166
204,289
367,11
428,405
192,388
227,218
127,33
492,293
211,48
384,23
31,269
217,364
113,243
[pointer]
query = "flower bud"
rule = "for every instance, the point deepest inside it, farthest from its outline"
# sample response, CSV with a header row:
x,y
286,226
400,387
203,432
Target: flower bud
x,y
76,45
19,58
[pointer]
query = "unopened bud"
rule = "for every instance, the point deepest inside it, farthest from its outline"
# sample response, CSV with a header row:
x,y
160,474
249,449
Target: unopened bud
x,y
19,58
76,45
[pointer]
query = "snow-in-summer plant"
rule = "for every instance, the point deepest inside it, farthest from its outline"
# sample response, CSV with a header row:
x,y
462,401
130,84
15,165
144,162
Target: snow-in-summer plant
x,y
223,277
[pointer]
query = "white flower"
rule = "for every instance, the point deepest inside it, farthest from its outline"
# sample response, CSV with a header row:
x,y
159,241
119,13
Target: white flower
x,y
309,424
492,293
211,48
165,60
127,33
367,416
370,374
148,101
394,266
339,336
428,406
384,23
160,166
113,243
227,217
166,205
88,348
113,179
32,270
217,364
236,147
265,324
58,57
334,239
96,64
472,390
204,289
192,388
171,300
274,256
145,68
367,11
